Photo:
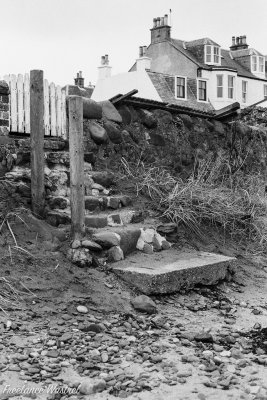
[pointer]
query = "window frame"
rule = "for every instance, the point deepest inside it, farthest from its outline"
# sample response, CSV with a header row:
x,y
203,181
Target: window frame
x,y
206,89
185,87
212,54
219,86
231,87
261,64
244,92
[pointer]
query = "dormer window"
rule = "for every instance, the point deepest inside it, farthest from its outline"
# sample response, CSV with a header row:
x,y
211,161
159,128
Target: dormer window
x,y
257,64
212,55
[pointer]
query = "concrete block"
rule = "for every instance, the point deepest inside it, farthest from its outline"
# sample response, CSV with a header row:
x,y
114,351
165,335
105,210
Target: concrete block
x,y
157,274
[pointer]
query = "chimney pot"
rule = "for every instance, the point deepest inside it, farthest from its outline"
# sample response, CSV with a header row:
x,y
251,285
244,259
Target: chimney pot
x,y
233,40
154,22
237,41
158,21
161,21
144,48
141,51
106,59
166,19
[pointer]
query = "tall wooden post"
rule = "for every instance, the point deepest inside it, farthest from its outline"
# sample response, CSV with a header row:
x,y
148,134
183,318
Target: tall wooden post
x,y
37,141
76,165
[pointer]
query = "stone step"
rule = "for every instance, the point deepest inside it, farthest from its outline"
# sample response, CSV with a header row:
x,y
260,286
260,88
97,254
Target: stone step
x,y
173,270
96,220
92,203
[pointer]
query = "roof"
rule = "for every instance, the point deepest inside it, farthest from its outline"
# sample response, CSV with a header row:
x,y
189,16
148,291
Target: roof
x,y
229,62
201,42
163,85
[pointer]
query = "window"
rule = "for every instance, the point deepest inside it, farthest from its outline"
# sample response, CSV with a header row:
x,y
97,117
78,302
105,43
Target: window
x,y
244,91
219,85
208,54
216,55
202,90
265,90
261,64
212,54
254,63
180,87
257,64
231,80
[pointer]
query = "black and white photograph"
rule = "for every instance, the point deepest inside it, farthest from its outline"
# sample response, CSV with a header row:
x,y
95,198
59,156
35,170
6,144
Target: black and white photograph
x,y
133,200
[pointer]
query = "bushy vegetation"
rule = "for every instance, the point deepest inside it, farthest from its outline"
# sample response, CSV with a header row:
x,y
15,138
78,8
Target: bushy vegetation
x,y
212,195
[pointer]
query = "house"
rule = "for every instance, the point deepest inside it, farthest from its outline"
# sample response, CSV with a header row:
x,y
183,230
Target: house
x,y
198,74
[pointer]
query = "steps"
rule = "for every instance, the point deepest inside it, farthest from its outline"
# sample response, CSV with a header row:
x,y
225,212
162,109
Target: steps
x,y
172,271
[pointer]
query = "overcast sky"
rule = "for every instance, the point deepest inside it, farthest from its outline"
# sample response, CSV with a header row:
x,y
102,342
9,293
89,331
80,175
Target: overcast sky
x,y
65,36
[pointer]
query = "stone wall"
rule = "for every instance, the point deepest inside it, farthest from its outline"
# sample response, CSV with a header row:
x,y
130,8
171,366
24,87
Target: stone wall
x,y
4,108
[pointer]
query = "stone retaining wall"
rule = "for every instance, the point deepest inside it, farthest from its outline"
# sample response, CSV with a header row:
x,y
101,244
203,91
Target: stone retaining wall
x,y
4,108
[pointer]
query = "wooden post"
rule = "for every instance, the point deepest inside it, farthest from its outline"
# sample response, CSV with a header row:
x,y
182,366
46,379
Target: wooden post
x,y
37,141
76,166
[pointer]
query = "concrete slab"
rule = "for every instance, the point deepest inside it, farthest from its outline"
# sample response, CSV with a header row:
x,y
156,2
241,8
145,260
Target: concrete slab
x,y
173,270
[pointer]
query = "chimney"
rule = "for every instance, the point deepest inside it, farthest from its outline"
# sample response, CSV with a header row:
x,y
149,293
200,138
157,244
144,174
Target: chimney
x,y
239,43
104,70
79,80
143,62
161,31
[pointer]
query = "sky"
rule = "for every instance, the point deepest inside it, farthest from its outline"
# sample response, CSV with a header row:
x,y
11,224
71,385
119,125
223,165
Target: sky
x,y
62,37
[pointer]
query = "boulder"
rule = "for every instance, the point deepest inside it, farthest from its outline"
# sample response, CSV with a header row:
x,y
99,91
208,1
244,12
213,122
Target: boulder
x,y
107,239
156,139
81,257
113,132
91,109
98,133
115,253
4,88
148,119
163,117
145,304
104,178
148,248
125,114
129,238
110,112
91,245
187,120
59,202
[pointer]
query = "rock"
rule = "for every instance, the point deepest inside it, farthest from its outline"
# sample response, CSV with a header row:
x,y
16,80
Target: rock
x,y
107,239
163,117
165,245
82,309
145,304
52,353
91,387
104,178
147,235
148,248
98,133
113,132
92,203
129,238
104,357
147,119
187,120
157,241
76,244
80,257
125,114
115,253
110,112
93,246
169,227
92,328
91,109
58,202
140,244
203,337
4,88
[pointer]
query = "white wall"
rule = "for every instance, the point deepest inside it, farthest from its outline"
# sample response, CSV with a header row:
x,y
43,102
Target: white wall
x,y
255,90
123,83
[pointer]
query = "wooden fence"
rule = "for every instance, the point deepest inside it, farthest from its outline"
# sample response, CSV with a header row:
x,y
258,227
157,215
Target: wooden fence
x,y
55,121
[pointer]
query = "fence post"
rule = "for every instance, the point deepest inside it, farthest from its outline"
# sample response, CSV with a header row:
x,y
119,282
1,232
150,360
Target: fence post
x,y
75,106
37,141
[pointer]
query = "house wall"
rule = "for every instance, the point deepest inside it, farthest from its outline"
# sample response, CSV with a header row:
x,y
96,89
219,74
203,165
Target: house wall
x,y
123,83
168,60
4,109
254,94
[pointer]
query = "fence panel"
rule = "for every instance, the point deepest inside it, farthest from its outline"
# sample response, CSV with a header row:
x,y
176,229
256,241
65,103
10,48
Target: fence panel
x,y
55,121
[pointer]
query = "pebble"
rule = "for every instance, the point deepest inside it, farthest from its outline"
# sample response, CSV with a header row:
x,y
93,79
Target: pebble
x,y
82,309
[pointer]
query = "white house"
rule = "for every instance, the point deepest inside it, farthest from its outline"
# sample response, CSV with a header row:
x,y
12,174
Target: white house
x,y
197,74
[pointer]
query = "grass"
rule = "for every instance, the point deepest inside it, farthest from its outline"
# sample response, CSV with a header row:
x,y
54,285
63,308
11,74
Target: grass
x,y
212,195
